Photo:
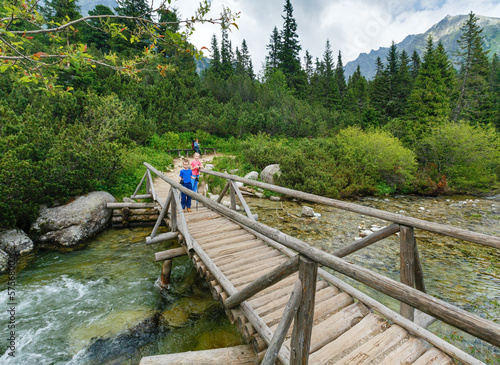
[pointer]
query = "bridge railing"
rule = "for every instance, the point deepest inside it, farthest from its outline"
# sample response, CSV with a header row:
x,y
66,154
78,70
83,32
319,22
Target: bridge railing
x,y
305,258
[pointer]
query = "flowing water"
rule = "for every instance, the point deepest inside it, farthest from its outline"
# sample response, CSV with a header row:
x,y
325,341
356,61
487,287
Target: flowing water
x,y
464,274
99,305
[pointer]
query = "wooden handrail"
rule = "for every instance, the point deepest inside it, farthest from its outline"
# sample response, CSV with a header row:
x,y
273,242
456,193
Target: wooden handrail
x,y
477,326
443,229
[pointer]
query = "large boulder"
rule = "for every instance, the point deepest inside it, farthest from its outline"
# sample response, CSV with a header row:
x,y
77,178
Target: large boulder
x,y
15,241
71,224
267,175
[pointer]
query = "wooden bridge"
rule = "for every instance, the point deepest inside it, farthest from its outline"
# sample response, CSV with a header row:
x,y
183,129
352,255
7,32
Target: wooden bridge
x,y
267,281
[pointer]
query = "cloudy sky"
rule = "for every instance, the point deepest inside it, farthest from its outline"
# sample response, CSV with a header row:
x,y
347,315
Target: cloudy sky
x,y
352,26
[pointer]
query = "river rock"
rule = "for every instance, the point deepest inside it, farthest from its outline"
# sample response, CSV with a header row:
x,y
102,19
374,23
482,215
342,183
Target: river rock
x,y
267,175
259,195
15,241
275,198
71,224
254,175
307,212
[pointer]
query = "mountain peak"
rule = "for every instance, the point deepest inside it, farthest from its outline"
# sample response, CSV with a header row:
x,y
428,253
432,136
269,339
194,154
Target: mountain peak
x,y
447,30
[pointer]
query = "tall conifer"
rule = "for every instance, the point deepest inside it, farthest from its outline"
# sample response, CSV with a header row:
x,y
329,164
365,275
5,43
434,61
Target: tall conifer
x,y
474,102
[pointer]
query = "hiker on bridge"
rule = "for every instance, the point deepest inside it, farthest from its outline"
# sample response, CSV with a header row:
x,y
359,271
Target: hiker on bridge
x,y
185,176
195,168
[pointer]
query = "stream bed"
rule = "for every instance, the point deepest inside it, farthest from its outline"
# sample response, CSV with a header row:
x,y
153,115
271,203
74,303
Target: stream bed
x,y
100,305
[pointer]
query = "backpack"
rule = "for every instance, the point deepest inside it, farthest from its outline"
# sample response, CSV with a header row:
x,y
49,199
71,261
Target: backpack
x,y
192,144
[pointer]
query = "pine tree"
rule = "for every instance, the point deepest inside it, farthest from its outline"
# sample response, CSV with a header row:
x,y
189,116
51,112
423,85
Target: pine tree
x,y
429,102
474,99
226,55
326,88
215,64
495,89
288,53
415,65
404,84
378,89
246,60
340,77
357,92
274,46
308,66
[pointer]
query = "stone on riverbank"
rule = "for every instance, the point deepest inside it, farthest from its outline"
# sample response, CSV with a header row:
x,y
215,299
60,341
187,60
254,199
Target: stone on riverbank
x,y
15,241
267,175
71,224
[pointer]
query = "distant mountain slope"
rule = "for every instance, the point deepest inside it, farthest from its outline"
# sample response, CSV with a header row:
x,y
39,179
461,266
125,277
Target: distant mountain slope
x,y
447,31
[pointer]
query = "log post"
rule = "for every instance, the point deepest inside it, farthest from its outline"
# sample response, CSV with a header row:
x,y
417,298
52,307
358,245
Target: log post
x,y
419,273
302,329
165,274
233,195
279,335
173,212
407,269
163,212
224,191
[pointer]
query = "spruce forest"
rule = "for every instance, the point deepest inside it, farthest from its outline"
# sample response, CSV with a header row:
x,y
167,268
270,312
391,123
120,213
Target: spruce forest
x,y
84,103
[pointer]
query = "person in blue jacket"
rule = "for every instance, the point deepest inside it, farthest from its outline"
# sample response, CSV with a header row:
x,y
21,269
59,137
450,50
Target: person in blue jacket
x,y
185,176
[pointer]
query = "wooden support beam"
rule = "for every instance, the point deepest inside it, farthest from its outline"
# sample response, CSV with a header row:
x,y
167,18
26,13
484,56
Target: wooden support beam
x,y
165,274
140,184
173,210
242,200
170,254
162,237
233,195
143,196
368,240
271,278
406,267
130,205
289,313
419,273
164,211
302,328
224,191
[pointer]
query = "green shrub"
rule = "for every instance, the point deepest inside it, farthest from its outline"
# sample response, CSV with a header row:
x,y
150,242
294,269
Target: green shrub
x,y
467,155
377,155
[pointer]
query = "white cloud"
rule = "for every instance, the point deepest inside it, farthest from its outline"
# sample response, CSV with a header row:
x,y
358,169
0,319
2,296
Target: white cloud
x,y
351,26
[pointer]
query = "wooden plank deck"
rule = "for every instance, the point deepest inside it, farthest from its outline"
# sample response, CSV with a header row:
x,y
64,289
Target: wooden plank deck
x,y
344,331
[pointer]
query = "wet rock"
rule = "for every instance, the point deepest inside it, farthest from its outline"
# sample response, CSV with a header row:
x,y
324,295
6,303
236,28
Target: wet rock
x,y
254,175
15,241
71,224
275,198
365,233
267,175
307,212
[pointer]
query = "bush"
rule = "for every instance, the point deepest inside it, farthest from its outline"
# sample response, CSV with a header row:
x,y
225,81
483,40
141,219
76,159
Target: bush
x,y
468,156
378,156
